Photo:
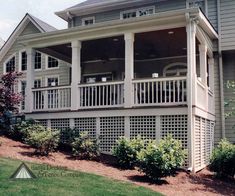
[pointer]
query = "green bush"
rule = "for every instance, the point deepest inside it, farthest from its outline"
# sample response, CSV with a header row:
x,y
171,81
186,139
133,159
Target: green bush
x,y
161,159
84,147
126,151
223,159
43,139
20,130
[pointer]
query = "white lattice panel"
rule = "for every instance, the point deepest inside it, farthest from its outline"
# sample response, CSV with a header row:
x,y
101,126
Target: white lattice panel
x,y
86,124
203,144
144,126
177,126
197,142
111,128
60,124
42,122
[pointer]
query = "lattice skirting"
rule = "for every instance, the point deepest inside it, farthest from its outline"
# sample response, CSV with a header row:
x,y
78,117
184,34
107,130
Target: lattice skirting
x,y
109,129
204,142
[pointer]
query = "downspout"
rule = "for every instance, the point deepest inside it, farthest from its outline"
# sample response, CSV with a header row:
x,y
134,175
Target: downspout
x,y
221,78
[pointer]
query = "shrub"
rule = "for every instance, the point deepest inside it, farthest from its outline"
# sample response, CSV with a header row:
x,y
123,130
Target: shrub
x,y
84,147
67,137
161,159
126,151
223,159
43,139
20,130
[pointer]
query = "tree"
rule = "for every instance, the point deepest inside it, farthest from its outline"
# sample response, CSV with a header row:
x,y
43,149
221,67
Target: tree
x,y
9,100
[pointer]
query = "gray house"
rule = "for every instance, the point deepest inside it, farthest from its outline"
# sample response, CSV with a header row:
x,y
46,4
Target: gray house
x,y
123,68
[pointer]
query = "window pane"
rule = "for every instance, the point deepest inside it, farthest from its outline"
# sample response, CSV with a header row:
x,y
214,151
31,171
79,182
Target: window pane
x,y
23,61
10,65
52,62
53,81
37,83
38,60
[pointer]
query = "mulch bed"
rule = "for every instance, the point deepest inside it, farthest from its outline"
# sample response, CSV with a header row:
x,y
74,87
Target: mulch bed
x,y
202,183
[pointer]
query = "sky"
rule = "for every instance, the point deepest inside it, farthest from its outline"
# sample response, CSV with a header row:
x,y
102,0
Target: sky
x,y
12,12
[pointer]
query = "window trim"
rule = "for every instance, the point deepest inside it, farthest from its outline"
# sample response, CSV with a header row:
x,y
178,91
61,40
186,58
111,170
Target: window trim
x,y
137,11
88,18
37,78
6,61
20,61
51,68
41,61
51,76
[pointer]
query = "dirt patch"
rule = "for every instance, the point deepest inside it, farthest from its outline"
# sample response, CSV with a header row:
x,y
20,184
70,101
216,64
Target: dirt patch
x,y
202,183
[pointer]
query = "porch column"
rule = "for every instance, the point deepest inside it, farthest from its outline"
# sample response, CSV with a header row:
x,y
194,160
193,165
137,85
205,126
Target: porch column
x,y
76,74
129,70
29,80
191,81
203,63
211,63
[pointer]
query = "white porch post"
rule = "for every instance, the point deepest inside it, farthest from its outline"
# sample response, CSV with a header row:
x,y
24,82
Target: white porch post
x,y
212,74
29,80
76,74
129,70
191,80
203,63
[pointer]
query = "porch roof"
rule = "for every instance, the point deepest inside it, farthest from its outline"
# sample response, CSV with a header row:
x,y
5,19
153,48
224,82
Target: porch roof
x,y
158,21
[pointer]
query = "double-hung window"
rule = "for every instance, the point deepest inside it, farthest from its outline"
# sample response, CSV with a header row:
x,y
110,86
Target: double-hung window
x,y
23,61
38,61
10,65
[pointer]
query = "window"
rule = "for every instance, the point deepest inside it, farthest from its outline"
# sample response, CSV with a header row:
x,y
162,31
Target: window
x,y
195,3
52,62
38,61
23,87
88,21
37,83
137,12
23,61
10,65
53,81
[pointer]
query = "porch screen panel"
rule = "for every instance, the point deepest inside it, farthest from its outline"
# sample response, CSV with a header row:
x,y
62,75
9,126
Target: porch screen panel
x,y
111,128
145,126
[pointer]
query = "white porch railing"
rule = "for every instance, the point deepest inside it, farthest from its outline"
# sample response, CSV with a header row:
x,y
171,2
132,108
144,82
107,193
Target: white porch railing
x,y
160,91
52,98
101,95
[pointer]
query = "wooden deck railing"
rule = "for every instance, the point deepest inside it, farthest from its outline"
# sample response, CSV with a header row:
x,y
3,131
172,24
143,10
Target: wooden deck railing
x,y
52,98
160,91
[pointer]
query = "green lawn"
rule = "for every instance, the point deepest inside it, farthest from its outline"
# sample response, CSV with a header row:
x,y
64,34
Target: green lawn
x,y
58,181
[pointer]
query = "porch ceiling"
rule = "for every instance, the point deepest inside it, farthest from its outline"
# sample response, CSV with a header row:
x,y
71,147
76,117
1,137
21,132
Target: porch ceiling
x,y
149,45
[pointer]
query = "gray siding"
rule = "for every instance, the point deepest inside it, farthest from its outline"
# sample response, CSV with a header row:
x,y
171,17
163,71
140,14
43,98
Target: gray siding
x,y
30,29
229,74
212,13
227,14
115,14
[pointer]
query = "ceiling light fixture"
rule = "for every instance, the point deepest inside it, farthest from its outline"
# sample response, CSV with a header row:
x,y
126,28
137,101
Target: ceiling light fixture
x,y
171,32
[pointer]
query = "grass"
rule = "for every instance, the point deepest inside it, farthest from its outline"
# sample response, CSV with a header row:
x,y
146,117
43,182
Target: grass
x,y
59,181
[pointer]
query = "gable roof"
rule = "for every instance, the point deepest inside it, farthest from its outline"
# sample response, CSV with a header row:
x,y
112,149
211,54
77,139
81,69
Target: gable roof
x,y
39,24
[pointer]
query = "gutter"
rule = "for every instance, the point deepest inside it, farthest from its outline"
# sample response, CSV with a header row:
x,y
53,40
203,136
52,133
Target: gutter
x,y
221,72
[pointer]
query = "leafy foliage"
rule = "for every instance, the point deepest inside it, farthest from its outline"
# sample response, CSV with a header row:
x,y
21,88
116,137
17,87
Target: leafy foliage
x,y
9,100
83,147
43,139
126,151
223,159
161,159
